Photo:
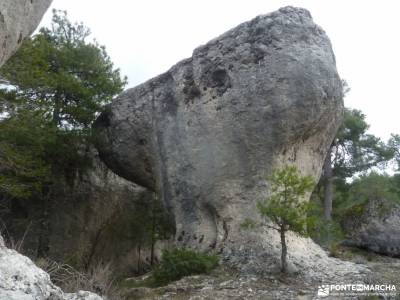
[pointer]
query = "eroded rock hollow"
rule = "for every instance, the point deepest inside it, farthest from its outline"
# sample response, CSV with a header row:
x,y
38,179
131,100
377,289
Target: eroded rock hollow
x,y
205,134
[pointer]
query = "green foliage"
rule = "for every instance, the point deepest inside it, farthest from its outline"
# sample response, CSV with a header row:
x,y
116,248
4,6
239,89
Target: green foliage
x,y
334,250
354,150
394,144
59,72
286,206
149,223
24,169
248,224
366,188
395,185
324,232
349,202
373,186
57,83
179,263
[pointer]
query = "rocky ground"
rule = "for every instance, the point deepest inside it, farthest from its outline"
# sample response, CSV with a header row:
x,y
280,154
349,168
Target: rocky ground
x,y
225,283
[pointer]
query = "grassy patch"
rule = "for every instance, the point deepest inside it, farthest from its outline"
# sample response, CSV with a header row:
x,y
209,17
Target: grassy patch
x,y
178,263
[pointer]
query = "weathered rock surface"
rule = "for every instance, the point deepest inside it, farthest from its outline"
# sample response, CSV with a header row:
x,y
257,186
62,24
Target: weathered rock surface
x,y
18,19
374,226
206,133
20,279
92,217
228,284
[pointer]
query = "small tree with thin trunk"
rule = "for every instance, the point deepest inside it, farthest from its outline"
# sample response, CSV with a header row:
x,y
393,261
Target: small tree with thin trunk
x,y
286,206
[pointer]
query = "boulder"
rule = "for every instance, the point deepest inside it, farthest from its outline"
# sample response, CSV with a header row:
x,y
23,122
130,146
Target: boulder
x,y
207,133
18,19
21,279
374,226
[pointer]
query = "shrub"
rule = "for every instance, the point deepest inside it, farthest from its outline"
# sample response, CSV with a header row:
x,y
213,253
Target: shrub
x,y
286,206
179,263
326,233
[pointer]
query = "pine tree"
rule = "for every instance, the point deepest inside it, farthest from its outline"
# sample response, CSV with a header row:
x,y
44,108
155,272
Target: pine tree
x,y
286,206
57,83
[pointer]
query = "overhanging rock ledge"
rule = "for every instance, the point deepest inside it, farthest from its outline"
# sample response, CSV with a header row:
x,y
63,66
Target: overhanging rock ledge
x,y
206,134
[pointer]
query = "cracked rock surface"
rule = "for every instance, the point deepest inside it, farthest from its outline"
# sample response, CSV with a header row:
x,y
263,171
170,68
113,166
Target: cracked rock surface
x,y
375,226
206,134
21,279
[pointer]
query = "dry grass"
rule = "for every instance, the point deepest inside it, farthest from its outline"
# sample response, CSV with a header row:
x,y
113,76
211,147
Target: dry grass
x,y
98,279
10,242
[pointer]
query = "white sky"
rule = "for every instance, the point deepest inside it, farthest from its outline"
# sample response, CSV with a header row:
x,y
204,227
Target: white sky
x,y
145,38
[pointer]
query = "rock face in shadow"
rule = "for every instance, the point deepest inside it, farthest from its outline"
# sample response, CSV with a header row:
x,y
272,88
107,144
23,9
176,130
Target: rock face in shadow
x,y
374,226
18,19
206,134
94,216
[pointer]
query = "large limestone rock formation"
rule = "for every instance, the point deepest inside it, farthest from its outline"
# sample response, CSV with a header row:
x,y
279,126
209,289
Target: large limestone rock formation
x,y
375,226
18,19
205,134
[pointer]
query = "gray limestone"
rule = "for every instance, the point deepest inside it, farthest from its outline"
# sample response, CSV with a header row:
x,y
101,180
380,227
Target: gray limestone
x,y
206,134
375,228
18,19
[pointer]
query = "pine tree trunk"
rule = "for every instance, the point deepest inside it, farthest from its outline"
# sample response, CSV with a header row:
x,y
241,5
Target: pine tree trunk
x,y
138,262
57,109
44,224
153,233
328,186
284,250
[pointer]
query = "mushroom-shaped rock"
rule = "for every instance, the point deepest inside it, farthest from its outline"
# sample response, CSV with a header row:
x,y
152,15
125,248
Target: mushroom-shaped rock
x,y
206,134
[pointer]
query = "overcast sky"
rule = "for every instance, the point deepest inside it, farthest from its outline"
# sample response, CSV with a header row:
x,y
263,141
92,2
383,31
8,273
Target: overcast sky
x,y
145,38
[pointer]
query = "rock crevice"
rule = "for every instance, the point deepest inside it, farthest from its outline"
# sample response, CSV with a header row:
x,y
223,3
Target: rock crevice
x,y
205,134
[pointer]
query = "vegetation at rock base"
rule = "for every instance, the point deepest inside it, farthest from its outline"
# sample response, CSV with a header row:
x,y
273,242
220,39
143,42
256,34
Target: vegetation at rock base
x,y
352,151
350,176
179,263
349,201
53,88
99,278
55,85
286,206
